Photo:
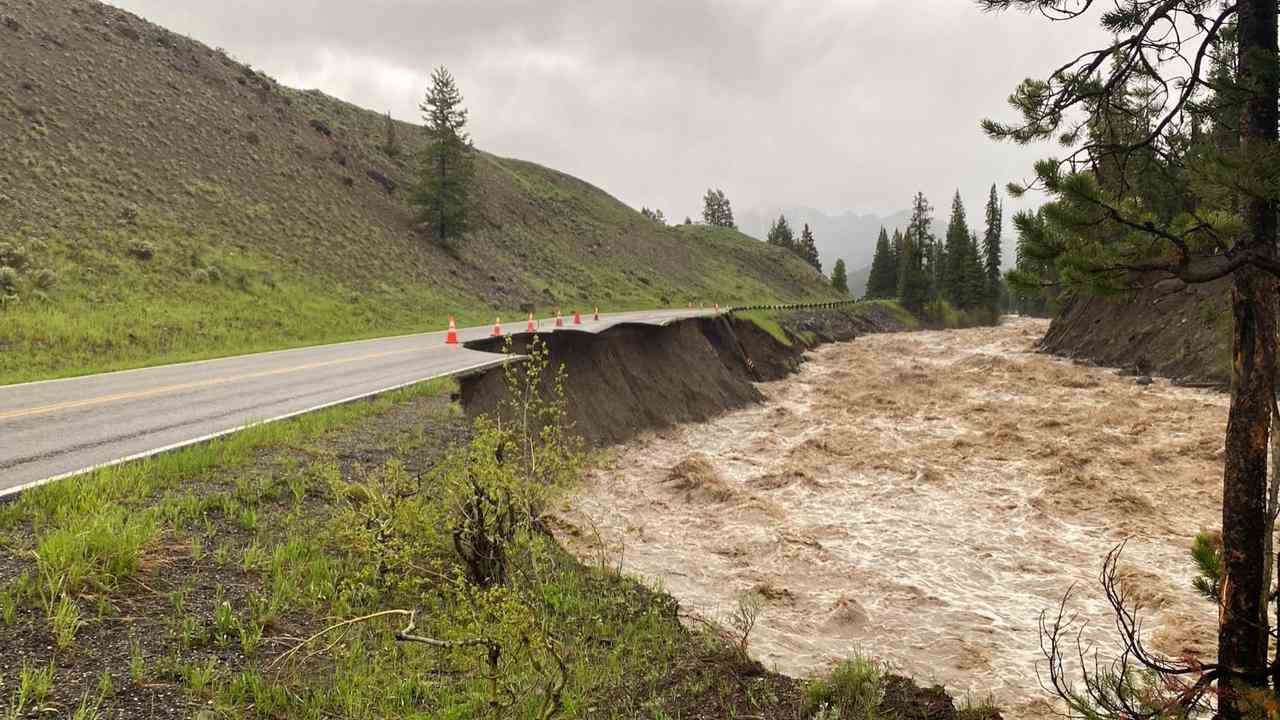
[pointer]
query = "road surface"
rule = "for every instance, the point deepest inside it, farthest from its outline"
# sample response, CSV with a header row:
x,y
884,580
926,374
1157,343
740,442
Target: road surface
x,y
57,428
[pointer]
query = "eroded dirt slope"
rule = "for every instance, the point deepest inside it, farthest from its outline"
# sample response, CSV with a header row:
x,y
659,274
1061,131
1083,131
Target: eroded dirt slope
x,y
922,498
1184,335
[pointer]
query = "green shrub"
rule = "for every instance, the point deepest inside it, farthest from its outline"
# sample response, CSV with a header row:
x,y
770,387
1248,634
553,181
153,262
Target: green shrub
x,y
852,691
14,255
142,250
46,279
8,279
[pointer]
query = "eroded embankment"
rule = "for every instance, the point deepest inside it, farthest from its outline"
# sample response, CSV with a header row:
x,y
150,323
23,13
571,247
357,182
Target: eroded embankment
x,y
1184,334
922,498
633,378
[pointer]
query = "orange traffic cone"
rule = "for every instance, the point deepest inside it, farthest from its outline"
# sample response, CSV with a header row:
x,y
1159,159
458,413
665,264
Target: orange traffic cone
x,y
533,326
597,317
559,319
497,327
452,337
577,318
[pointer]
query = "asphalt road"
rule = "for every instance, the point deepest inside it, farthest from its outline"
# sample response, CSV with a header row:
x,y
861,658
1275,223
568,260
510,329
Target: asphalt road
x,y
57,428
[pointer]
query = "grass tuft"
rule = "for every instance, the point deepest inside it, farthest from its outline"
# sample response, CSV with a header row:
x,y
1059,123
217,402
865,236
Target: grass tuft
x,y
852,691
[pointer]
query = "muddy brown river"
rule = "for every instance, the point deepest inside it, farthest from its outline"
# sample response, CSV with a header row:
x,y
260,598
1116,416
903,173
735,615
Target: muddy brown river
x,y
921,498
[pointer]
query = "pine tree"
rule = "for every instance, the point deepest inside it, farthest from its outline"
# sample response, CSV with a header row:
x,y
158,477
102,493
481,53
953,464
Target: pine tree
x,y
448,169
914,287
973,275
896,255
991,249
918,266
840,277
883,280
780,234
807,248
955,255
711,208
716,210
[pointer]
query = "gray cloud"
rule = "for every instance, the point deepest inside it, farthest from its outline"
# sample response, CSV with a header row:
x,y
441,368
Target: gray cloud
x,y
835,104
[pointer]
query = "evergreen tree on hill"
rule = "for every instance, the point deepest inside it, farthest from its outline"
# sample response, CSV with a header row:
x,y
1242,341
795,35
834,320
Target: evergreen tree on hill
x,y
716,210
442,194
991,248
896,247
914,287
807,248
840,277
973,279
781,235
955,255
883,281
918,266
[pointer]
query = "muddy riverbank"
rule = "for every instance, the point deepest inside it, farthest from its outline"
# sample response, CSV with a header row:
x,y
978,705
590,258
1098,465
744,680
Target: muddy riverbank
x,y
922,498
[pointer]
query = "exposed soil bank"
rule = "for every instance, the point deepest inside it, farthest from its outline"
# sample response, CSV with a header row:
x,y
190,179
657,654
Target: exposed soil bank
x,y
634,378
921,498
1184,335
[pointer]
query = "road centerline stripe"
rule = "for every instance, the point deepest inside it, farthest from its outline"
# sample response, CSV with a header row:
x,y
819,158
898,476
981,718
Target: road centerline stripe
x,y
167,389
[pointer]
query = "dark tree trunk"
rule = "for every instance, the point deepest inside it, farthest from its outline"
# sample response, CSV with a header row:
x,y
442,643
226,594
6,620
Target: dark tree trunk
x,y
1242,621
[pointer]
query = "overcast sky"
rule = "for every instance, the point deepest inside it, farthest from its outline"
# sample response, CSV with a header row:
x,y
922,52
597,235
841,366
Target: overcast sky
x,y
832,104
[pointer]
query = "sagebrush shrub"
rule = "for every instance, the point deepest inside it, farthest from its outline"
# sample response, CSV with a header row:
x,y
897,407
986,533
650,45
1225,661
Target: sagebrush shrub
x,y
142,250
14,255
8,279
46,279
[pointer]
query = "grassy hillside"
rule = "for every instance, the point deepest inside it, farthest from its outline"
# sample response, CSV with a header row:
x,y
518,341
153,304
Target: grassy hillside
x,y
160,201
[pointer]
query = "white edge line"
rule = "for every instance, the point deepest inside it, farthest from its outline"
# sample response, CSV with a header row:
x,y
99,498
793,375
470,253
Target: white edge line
x,y
8,493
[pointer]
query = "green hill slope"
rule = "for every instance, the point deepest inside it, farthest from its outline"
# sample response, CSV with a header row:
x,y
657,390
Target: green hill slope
x,y
160,201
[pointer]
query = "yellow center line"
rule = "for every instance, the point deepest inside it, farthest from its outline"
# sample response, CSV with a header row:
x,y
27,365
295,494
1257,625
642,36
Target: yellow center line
x,y
153,392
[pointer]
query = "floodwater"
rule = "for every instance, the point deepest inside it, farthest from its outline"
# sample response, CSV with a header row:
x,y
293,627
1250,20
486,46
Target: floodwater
x,y
921,498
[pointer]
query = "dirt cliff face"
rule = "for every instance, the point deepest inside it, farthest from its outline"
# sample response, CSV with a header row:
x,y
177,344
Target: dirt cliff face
x,y
635,378
1184,335
632,378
